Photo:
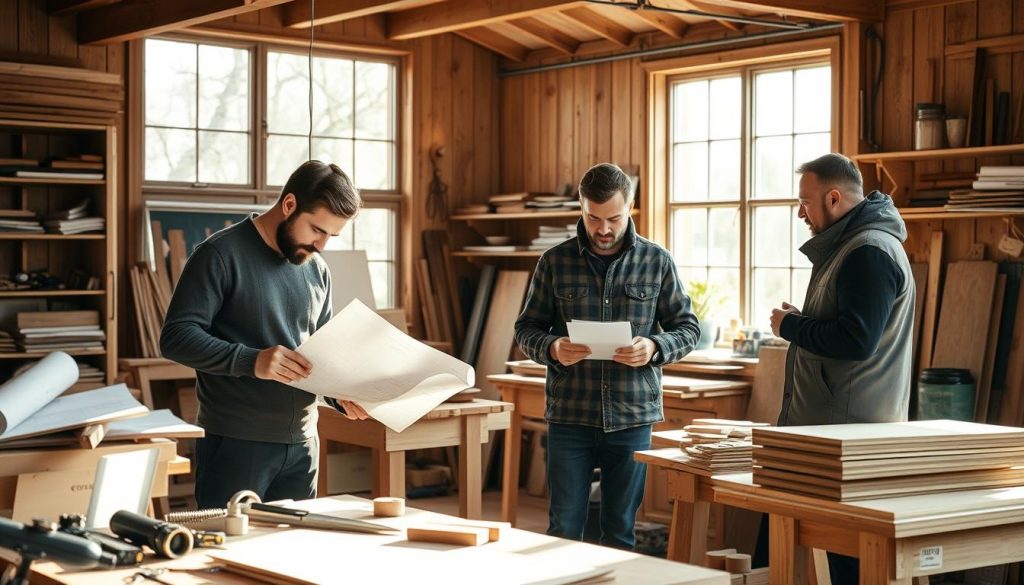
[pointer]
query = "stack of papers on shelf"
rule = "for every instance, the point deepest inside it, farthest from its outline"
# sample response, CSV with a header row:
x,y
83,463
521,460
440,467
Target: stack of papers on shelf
x,y
86,162
1000,178
974,200
550,236
74,221
60,330
553,202
7,343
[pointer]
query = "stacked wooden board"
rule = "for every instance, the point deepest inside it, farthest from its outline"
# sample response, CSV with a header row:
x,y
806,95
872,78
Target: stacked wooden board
x,y
869,461
63,94
718,445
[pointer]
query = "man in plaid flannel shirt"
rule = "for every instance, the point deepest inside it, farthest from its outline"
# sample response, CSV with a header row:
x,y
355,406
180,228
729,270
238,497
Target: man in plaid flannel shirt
x,y
600,412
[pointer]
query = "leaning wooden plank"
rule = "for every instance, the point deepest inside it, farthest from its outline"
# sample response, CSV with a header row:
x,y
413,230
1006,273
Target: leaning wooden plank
x,y
430,324
931,303
499,330
966,311
140,327
985,385
453,291
920,272
178,254
1013,387
476,318
439,281
160,258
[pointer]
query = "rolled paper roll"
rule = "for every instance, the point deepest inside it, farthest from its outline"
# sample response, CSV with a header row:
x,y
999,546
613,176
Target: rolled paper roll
x,y
715,559
388,507
737,563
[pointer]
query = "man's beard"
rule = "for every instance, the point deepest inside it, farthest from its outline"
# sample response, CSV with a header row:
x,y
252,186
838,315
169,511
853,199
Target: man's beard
x,y
290,248
607,245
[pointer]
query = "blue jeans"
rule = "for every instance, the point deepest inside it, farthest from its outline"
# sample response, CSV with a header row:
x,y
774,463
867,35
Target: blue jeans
x,y
573,453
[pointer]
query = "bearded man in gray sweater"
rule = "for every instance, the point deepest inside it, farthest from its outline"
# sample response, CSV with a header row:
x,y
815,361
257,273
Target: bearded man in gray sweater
x,y
248,296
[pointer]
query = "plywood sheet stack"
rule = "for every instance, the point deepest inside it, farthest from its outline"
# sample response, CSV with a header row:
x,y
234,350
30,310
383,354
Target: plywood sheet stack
x,y
870,461
719,445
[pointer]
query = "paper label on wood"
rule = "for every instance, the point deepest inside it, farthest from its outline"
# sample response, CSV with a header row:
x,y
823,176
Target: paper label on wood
x,y
930,558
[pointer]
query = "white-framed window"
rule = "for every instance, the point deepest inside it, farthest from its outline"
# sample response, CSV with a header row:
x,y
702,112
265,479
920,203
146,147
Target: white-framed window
x,y
230,119
736,137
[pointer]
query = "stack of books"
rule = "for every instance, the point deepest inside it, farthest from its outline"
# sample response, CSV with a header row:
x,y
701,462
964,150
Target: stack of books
x,y
7,344
74,221
549,236
59,330
1000,179
83,166
19,220
544,202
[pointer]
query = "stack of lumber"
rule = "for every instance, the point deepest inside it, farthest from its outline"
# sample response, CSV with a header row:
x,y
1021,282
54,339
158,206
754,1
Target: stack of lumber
x,y
54,93
870,461
719,445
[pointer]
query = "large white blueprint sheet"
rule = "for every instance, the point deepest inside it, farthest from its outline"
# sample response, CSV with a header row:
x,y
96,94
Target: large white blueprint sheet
x,y
359,356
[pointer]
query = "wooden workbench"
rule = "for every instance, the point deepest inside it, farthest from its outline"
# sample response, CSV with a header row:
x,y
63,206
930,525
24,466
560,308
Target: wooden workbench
x,y
466,424
684,400
364,558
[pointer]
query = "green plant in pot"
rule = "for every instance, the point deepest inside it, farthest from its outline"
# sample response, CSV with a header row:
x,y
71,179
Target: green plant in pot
x,y
705,300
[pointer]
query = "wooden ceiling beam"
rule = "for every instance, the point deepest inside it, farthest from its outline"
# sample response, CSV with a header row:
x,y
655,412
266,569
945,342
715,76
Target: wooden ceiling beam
x,y
297,13
690,5
455,15
850,10
600,25
124,21
65,7
495,41
664,22
547,34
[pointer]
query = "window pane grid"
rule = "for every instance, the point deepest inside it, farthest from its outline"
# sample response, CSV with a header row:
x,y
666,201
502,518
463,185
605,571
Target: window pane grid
x,y
789,123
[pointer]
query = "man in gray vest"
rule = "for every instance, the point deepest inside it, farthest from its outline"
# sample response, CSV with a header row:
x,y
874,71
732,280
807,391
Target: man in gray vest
x,y
850,353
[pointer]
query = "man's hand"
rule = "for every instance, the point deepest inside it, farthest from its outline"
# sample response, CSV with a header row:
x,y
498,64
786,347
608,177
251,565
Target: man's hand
x,y
282,364
779,314
352,410
636,355
566,352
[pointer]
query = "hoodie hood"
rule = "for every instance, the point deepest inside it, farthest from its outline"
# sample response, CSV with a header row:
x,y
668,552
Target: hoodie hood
x,y
876,212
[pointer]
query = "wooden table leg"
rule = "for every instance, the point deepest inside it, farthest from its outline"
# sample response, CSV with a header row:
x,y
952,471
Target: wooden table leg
x,y
688,535
787,559
142,377
510,472
388,473
878,561
470,483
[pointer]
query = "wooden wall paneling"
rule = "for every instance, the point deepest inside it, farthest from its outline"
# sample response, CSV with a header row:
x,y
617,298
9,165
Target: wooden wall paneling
x,y
548,179
513,134
896,132
603,113
485,104
583,124
9,25
853,83
567,143
442,107
532,131
460,184
422,112
961,26
62,37
621,113
996,21
32,27
928,67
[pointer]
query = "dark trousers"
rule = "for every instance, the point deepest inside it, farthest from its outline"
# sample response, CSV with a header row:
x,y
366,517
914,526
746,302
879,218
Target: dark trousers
x,y
573,453
275,471
842,569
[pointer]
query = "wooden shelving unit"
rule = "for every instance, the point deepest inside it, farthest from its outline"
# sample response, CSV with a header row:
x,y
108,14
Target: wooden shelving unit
x,y
60,254
894,172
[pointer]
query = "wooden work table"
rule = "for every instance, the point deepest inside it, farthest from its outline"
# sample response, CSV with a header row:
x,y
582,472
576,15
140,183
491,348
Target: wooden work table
x,y
896,539
324,556
466,424
684,400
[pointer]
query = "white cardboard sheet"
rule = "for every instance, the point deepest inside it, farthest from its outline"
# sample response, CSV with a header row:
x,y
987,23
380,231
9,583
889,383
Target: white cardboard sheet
x,y
359,356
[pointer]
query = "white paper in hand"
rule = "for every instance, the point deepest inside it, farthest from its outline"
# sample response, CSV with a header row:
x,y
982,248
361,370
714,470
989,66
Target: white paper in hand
x,y
359,356
603,338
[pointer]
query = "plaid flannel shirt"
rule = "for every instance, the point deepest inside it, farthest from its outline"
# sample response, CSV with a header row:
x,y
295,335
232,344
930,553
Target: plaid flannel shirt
x,y
641,286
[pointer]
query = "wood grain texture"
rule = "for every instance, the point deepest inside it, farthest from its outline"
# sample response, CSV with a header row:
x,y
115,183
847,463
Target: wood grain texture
x,y
963,321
